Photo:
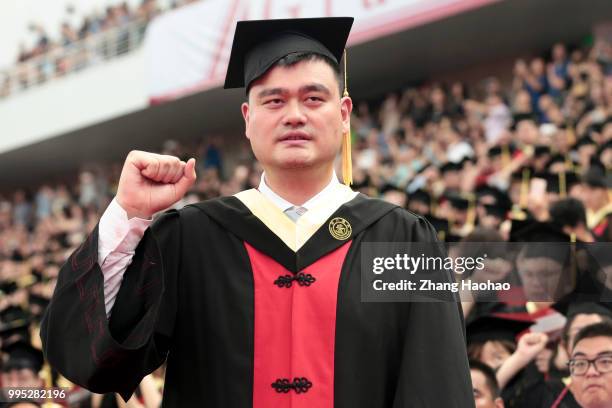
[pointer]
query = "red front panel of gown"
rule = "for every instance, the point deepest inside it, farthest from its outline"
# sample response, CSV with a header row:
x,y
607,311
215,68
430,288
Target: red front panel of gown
x,y
295,332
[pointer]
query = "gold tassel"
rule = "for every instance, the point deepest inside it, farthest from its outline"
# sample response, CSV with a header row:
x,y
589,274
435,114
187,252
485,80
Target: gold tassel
x,y
524,192
562,185
347,165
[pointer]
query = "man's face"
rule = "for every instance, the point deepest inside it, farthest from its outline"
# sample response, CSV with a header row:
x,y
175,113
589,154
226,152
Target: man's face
x,y
540,277
593,389
295,117
482,394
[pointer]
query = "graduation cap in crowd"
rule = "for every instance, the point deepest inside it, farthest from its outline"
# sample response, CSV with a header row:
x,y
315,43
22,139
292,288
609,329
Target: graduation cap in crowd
x,y
17,329
557,158
560,183
584,141
502,150
450,166
495,328
457,201
596,177
441,226
588,297
259,44
8,287
21,355
541,150
519,117
38,300
14,323
537,231
543,240
13,312
390,187
420,196
495,201
604,147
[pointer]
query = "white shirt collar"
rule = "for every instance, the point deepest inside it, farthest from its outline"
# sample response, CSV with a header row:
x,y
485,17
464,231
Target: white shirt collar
x,y
318,198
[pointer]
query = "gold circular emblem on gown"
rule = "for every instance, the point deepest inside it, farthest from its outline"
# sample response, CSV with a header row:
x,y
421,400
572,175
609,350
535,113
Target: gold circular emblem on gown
x,y
340,228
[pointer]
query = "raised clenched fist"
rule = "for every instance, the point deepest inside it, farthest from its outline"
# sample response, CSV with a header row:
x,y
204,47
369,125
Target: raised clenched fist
x,y
152,182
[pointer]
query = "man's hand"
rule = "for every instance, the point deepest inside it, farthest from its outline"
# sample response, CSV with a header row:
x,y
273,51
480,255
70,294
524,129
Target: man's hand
x,y
531,344
152,182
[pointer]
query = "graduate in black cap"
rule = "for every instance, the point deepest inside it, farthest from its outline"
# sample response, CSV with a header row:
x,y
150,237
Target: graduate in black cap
x,y
22,365
255,299
598,202
544,261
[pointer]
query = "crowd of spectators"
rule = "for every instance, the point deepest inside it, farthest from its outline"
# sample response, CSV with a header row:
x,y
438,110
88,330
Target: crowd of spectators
x,y
477,161
80,41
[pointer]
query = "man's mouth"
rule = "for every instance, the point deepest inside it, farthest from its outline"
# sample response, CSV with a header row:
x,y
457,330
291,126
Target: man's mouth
x,y
295,136
592,387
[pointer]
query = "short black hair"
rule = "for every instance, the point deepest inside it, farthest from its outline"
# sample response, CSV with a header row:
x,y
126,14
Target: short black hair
x,y
489,375
295,57
568,211
570,321
603,329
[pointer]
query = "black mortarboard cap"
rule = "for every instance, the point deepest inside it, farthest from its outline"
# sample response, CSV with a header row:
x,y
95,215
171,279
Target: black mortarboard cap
x,y
13,312
554,180
589,296
441,226
597,177
537,231
541,150
39,300
545,239
451,166
8,287
19,329
491,327
457,201
420,196
390,187
22,355
605,146
495,151
258,44
497,210
584,141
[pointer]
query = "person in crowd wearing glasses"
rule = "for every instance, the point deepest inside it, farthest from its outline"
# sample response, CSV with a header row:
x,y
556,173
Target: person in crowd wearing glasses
x,y
591,366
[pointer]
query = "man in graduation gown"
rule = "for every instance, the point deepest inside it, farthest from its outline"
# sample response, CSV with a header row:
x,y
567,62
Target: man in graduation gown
x,y
254,300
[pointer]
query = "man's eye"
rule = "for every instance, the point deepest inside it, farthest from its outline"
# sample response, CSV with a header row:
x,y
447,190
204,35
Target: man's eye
x,y
580,364
273,101
605,362
314,99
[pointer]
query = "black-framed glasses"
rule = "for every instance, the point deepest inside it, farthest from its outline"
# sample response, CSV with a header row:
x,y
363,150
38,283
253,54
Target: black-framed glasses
x,y
579,366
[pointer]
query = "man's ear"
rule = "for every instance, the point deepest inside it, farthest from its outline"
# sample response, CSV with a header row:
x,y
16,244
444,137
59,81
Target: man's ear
x,y
499,403
346,107
244,108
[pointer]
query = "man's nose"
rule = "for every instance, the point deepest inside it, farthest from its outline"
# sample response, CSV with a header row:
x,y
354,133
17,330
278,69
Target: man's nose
x,y
294,116
592,371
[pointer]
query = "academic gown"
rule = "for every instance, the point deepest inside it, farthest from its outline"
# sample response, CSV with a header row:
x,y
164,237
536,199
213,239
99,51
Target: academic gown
x,y
245,321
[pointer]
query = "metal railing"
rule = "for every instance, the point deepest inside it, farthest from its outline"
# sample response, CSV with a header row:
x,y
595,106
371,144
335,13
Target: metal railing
x,y
63,60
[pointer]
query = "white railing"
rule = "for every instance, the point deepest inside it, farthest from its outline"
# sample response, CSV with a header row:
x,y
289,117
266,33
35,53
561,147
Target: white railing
x,y
60,61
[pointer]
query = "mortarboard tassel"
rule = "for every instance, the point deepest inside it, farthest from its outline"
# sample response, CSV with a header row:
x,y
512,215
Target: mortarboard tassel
x,y
524,192
506,159
347,165
562,185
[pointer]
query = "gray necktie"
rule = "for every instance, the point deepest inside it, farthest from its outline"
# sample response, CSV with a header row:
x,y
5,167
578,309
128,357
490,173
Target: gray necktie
x,y
295,212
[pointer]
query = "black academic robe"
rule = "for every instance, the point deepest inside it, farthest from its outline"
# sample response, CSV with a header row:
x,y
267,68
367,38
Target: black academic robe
x,y
243,321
